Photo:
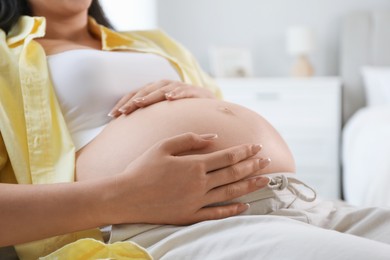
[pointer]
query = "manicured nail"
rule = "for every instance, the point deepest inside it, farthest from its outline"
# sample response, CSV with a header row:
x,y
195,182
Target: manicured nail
x,y
264,162
139,100
243,207
256,148
262,181
169,95
209,136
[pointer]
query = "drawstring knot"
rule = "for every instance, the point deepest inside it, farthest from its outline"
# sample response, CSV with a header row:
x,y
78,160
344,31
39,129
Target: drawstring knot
x,y
282,182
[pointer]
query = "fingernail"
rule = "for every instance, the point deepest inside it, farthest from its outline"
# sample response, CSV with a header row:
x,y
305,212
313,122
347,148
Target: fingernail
x,y
122,109
243,207
111,114
139,100
256,148
262,181
169,95
264,162
209,136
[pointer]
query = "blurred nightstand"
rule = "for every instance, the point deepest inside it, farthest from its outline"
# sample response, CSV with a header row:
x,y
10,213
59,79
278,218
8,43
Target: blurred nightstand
x,y
307,113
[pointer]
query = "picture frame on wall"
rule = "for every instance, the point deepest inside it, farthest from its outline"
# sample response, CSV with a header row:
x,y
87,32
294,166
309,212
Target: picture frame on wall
x,y
231,62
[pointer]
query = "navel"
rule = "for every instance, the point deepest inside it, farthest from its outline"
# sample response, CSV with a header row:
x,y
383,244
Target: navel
x,y
225,110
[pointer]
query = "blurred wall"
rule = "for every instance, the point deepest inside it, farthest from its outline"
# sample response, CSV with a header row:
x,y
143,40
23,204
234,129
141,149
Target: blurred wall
x,y
260,26
131,14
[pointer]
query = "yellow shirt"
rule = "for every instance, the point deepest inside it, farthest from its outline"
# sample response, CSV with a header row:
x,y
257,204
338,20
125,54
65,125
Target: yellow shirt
x,y
35,145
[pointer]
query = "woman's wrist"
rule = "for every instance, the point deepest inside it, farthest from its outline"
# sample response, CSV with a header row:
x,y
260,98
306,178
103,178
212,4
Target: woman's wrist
x,y
112,200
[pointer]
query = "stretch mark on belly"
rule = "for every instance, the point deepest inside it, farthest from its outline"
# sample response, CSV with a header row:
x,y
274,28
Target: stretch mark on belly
x,y
225,110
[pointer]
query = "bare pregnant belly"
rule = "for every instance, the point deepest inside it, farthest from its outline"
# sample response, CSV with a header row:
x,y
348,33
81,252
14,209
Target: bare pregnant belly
x,y
126,137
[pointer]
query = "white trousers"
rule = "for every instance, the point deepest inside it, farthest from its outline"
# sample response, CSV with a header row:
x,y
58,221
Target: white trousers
x,y
282,223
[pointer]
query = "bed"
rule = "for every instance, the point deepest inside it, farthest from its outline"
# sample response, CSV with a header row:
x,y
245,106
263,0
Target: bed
x,y
365,71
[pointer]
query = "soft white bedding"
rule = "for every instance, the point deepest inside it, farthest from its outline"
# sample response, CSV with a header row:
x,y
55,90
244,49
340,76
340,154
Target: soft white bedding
x,y
264,237
283,222
304,230
366,157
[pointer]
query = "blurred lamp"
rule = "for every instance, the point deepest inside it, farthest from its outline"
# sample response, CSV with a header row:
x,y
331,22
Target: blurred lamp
x,y
300,43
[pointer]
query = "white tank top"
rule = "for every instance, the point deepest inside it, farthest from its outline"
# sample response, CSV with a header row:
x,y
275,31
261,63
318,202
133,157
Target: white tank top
x,y
88,83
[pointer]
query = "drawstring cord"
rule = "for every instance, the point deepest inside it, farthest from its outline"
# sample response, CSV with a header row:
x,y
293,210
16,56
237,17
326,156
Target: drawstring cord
x,y
282,182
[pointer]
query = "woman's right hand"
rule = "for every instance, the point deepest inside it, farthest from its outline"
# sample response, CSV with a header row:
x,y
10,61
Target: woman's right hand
x,y
164,187
157,92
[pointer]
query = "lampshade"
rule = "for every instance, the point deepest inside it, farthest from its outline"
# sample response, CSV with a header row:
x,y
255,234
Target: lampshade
x,y
300,40
131,14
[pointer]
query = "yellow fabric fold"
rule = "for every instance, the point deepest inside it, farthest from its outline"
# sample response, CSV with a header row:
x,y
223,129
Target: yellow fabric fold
x,y
36,249
88,249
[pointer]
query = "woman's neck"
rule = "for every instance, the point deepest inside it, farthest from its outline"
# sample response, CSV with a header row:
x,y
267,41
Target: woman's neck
x,y
74,28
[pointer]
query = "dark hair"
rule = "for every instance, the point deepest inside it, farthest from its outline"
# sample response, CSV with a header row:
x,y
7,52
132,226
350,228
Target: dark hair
x,y
11,10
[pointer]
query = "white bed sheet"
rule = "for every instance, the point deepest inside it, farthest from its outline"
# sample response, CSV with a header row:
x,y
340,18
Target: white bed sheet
x,y
366,157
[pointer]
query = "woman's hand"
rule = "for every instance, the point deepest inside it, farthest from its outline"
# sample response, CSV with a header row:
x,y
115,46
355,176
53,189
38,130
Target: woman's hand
x,y
156,92
162,187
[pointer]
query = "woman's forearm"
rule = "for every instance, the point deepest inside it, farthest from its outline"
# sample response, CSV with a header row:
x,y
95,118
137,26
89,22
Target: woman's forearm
x,y
32,212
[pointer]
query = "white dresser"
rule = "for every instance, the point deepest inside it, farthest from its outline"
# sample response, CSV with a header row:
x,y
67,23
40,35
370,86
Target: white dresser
x,y
307,113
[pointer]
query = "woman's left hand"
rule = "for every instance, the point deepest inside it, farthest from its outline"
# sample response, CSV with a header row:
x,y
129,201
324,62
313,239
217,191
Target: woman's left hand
x,y
156,92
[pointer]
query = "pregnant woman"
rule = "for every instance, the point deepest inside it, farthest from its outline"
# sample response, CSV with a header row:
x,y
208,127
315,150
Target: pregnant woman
x,y
72,72
53,88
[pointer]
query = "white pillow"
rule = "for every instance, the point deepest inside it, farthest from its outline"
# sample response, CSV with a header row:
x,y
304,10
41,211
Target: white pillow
x,y
377,85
